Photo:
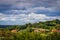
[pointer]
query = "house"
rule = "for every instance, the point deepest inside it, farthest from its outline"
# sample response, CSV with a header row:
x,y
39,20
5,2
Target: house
x,y
14,31
55,30
40,30
36,31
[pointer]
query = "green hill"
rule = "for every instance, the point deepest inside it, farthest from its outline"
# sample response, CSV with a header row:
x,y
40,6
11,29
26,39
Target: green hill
x,y
49,30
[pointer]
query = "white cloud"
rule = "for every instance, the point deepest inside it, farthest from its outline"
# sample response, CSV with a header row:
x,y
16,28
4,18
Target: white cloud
x,y
32,17
25,18
50,9
41,8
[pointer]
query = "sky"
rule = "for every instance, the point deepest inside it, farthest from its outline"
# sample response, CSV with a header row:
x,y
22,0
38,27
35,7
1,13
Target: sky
x,y
18,12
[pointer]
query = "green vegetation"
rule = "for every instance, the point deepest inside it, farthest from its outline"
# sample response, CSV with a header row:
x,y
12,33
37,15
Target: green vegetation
x,y
49,30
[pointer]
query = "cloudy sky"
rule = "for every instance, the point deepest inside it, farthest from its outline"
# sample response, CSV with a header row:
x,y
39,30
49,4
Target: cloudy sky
x,y
17,12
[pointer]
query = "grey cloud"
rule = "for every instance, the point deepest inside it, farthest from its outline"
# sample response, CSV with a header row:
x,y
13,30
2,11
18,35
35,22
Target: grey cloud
x,y
21,4
8,1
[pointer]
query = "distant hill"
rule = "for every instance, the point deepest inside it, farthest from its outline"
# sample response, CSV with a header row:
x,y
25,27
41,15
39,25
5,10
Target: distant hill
x,y
46,24
3,26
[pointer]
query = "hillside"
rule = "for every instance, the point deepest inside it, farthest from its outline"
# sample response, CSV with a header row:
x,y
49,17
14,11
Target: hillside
x,y
45,25
49,30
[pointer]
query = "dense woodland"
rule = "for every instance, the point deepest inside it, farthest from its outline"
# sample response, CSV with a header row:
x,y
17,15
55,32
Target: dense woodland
x,y
48,30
